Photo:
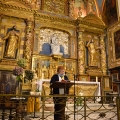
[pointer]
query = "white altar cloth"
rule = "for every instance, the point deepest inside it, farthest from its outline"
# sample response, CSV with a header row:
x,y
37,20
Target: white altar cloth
x,y
97,92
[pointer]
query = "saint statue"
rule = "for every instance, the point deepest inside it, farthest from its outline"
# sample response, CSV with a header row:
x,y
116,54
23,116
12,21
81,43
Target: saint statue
x,y
38,70
55,47
12,43
92,51
90,7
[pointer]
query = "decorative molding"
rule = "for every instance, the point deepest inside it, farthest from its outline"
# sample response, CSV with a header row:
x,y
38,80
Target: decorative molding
x,y
24,3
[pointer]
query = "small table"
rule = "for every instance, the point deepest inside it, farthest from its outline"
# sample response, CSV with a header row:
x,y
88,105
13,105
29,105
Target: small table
x,y
20,106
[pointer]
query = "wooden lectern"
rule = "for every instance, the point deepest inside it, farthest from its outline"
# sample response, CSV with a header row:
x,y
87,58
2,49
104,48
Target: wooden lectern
x,y
65,85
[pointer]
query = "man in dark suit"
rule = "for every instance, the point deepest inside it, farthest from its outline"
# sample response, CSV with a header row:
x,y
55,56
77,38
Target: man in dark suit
x,y
59,102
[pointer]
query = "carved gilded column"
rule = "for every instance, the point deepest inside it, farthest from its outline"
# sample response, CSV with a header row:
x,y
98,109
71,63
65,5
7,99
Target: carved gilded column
x,y
71,8
103,55
81,53
2,42
28,42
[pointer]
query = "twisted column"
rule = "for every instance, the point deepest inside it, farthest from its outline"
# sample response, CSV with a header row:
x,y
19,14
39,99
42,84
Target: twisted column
x,y
103,55
81,53
71,8
28,42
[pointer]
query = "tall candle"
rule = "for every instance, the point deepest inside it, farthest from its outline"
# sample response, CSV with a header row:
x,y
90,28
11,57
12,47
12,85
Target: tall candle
x,y
96,79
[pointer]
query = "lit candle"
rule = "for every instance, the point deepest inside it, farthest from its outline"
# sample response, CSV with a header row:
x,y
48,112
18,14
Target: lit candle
x,y
96,79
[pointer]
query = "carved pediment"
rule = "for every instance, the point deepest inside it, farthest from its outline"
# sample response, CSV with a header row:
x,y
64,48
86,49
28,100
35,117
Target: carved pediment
x,y
18,3
92,18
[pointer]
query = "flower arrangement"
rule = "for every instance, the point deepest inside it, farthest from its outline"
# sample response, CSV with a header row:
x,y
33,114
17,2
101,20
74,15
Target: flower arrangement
x,y
21,62
35,88
29,74
18,71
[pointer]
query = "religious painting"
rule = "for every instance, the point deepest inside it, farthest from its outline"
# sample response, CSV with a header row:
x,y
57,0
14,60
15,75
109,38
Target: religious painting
x,y
113,34
114,77
117,44
109,12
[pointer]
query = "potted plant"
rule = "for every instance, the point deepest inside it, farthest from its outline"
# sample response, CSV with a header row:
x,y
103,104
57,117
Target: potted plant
x,y
29,75
79,100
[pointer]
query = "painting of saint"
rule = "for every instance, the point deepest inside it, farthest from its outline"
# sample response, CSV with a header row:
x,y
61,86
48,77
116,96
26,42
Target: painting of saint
x,y
109,12
117,44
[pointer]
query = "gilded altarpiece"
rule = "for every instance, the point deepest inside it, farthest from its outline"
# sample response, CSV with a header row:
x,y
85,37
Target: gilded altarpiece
x,y
92,51
46,66
36,29
45,63
6,32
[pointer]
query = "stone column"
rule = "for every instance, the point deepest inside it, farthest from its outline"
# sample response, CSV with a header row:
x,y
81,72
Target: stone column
x,y
28,42
81,53
103,55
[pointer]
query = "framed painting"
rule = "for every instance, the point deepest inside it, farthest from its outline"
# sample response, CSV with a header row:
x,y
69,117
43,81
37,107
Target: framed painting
x,y
110,12
115,77
113,37
117,44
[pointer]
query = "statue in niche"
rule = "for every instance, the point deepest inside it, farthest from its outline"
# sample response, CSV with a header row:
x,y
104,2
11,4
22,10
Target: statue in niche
x,y
79,13
55,47
12,43
92,52
90,7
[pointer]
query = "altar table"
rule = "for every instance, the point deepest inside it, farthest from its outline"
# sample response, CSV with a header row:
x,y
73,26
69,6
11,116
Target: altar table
x,y
82,85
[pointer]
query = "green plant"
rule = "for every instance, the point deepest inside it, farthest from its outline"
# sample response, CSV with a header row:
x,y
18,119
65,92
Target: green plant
x,y
29,74
37,90
19,78
79,101
21,62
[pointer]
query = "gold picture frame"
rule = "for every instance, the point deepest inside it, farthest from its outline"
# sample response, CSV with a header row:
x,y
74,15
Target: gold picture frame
x,y
113,45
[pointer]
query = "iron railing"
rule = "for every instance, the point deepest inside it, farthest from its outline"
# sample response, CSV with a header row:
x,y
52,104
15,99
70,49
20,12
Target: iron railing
x,y
42,107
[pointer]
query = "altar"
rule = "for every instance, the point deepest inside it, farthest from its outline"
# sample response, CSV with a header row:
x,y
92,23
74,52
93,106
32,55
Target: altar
x,y
86,88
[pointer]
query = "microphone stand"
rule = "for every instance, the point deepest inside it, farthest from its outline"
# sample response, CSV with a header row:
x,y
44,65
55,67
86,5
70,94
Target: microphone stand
x,y
74,94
